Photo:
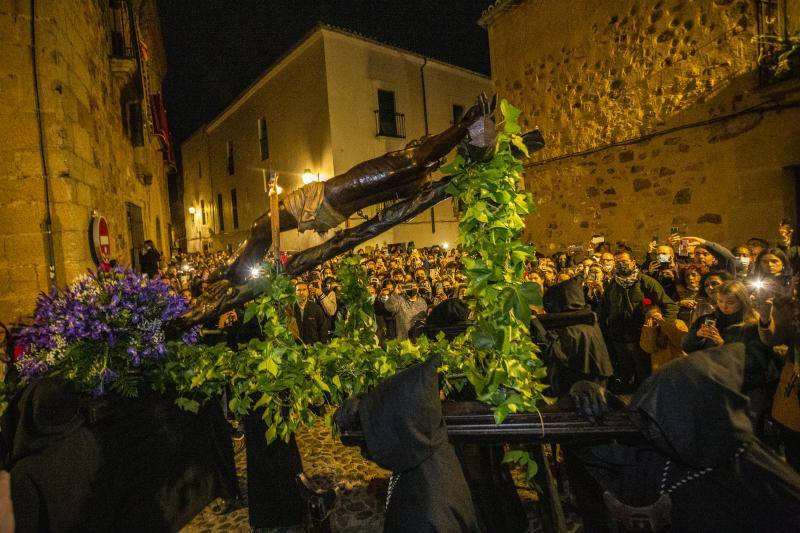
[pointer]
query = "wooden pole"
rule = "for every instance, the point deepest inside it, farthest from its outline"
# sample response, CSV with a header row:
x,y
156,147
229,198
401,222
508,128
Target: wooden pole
x,y
274,218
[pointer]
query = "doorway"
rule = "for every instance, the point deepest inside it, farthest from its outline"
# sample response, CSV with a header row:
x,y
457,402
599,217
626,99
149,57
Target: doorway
x,y
136,229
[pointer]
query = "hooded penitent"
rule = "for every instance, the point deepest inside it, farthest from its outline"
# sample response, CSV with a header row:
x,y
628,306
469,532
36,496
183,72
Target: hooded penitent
x,y
405,433
701,451
575,351
51,445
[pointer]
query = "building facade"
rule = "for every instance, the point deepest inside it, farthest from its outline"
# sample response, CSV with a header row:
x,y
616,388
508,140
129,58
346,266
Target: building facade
x,y
336,99
657,114
84,136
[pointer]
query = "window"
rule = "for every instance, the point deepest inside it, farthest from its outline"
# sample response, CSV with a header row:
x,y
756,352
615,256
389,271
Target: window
x,y
234,209
121,30
263,139
389,122
203,211
230,158
458,112
773,30
135,123
220,213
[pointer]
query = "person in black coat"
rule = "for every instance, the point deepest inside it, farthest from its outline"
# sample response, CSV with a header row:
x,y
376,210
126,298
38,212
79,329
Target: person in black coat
x,y
405,433
575,350
311,321
699,467
149,258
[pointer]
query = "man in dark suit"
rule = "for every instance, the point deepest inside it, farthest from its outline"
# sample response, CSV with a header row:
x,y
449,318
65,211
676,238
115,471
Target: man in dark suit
x,y
311,320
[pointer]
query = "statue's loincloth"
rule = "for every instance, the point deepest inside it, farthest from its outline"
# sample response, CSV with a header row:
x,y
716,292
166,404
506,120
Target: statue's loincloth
x,y
311,209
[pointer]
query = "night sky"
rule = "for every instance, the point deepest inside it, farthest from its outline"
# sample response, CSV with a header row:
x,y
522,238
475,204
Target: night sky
x,y
216,48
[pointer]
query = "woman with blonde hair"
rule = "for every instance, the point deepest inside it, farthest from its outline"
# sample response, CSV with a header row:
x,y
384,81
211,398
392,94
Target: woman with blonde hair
x,y
735,320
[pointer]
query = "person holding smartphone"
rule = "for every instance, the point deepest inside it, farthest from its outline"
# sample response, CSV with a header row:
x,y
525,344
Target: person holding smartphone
x,y
734,321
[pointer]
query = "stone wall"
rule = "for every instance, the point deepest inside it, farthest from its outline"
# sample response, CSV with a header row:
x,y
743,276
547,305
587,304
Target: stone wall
x,y
91,162
654,117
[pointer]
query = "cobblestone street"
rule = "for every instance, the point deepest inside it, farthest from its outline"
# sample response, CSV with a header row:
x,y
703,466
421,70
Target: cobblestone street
x,y
360,488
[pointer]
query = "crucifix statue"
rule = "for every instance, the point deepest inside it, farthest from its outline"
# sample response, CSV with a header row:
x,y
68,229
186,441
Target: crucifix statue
x,y
403,176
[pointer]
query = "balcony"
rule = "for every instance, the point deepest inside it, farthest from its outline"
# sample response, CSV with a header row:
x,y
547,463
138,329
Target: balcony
x,y
390,124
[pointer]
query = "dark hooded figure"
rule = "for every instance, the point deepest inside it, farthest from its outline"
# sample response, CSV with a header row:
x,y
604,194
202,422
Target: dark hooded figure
x,y
575,350
50,445
701,467
405,433
451,317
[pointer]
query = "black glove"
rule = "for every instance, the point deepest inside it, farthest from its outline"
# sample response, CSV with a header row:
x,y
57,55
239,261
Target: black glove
x,y
590,400
346,417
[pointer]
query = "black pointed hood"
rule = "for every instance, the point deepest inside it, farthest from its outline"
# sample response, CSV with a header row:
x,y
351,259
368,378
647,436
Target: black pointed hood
x,y
48,410
692,409
565,296
402,418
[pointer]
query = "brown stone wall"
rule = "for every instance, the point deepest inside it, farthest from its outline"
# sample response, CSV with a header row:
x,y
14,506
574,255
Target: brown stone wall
x,y
91,163
654,117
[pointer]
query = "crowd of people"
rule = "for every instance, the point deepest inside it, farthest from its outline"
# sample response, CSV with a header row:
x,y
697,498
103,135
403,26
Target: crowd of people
x,y
684,295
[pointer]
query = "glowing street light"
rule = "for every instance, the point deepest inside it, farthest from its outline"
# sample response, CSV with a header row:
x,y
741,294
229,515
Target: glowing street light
x,y
192,210
308,177
445,245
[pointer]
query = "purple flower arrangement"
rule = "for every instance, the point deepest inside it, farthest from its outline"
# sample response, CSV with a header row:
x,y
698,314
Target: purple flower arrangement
x,y
104,331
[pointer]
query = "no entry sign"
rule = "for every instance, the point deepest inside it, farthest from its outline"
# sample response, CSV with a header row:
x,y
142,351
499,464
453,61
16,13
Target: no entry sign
x,y
100,239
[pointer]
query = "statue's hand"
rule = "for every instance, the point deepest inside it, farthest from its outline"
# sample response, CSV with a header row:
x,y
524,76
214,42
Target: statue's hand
x,y
211,303
479,145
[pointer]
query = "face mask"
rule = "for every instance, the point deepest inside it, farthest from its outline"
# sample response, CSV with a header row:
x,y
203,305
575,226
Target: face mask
x,y
744,262
663,258
371,299
384,297
623,270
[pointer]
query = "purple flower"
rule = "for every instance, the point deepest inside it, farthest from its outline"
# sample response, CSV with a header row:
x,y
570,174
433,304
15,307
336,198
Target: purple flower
x,y
192,336
107,375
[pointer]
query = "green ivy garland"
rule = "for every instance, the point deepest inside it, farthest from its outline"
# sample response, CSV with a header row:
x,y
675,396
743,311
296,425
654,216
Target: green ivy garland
x,y
291,382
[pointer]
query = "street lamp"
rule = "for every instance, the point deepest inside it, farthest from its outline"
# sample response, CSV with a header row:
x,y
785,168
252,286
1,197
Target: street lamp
x,y
192,210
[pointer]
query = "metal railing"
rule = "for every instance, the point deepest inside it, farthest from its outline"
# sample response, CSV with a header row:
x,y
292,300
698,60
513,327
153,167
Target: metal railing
x,y
390,124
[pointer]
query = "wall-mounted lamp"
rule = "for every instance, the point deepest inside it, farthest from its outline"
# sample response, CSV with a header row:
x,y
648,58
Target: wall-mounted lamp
x,y
192,210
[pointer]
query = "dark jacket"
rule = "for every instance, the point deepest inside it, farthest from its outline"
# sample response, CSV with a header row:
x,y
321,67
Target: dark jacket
x,y
405,434
572,352
312,323
148,262
693,417
621,312
758,370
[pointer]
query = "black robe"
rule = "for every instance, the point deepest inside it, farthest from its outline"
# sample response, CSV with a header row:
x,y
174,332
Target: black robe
x,y
405,433
576,351
693,415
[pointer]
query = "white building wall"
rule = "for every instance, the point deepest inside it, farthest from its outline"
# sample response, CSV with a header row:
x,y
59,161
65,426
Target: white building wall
x,y
319,102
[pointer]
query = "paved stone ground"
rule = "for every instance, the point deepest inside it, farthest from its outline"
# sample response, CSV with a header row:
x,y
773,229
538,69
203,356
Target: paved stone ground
x,y
360,489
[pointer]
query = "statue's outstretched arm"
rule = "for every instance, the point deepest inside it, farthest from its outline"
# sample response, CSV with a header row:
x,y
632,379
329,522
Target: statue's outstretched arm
x,y
388,177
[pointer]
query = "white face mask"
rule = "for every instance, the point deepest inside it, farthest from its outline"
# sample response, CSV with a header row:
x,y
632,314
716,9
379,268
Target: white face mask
x,y
663,258
744,261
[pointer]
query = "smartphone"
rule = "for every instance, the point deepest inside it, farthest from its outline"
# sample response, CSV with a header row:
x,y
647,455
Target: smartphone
x,y
710,321
683,248
597,239
673,230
